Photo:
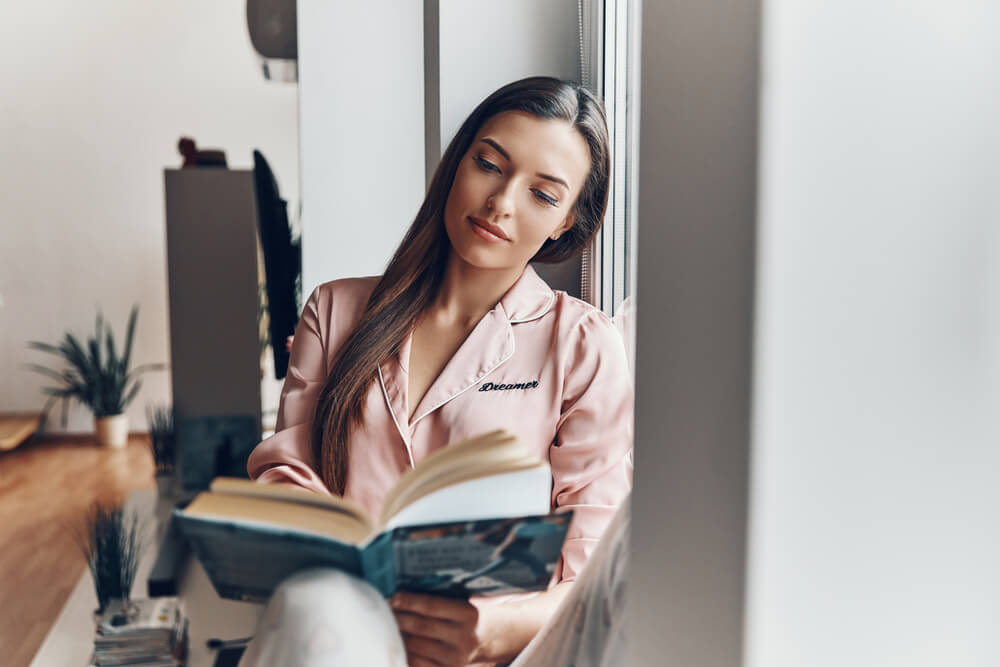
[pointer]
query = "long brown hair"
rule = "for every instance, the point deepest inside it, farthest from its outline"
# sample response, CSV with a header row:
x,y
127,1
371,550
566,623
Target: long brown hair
x,y
414,275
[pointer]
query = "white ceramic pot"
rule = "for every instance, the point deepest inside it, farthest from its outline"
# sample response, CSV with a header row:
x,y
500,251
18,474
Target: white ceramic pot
x,y
112,431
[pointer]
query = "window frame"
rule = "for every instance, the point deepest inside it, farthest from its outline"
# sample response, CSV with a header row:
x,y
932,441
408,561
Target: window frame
x,y
609,58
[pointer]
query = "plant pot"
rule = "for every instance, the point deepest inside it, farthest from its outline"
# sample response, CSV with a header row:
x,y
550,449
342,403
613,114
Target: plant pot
x,y
112,431
127,611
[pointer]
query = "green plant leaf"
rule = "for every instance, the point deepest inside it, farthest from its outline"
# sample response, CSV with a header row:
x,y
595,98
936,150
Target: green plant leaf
x,y
48,407
129,336
95,354
131,394
149,367
109,340
75,354
45,347
55,375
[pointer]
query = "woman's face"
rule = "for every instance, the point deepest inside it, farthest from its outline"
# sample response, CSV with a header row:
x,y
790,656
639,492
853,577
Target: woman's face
x,y
515,187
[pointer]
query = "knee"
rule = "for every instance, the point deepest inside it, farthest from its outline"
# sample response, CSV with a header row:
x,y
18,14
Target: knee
x,y
323,615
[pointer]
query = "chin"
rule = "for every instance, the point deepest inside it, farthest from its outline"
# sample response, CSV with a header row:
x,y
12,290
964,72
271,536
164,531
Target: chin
x,y
480,258
474,253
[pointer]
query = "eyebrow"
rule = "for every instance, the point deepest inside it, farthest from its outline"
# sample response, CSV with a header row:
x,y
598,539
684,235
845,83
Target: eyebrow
x,y
506,155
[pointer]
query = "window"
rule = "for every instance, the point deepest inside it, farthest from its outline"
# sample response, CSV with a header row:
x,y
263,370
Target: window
x,y
608,54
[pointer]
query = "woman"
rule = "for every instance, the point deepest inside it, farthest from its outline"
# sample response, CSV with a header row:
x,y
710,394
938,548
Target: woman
x,y
461,336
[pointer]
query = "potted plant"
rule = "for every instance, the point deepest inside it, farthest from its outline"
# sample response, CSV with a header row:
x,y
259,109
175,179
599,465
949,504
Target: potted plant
x,y
112,544
102,381
163,443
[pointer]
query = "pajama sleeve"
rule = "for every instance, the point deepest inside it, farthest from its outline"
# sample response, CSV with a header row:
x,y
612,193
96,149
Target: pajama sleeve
x,y
590,458
286,456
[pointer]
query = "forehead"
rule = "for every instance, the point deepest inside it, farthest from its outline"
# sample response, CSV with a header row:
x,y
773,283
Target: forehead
x,y
539,145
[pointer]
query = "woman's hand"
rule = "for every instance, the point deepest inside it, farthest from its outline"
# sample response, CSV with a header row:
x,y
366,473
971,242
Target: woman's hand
x,y
436,631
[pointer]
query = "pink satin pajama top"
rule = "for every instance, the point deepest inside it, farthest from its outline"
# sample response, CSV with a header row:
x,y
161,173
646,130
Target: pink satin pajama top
x,y
543,365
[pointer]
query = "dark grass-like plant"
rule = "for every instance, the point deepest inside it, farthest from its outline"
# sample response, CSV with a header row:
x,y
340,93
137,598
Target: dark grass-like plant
x,y
162,437
97,376
112,544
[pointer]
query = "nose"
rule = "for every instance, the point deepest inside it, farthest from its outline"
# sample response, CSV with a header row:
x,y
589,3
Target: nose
x,y
500,203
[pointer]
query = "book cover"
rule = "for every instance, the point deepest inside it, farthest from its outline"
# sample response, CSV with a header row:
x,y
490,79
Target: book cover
x,y
246,561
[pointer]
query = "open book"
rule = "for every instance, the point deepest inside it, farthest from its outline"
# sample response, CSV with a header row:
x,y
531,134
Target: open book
x,y
471,519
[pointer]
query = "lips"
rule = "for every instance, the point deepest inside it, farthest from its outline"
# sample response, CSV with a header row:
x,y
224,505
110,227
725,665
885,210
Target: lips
x,y
488,230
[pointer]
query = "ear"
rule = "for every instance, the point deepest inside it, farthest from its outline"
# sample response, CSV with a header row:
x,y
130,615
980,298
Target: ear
x,y
561,229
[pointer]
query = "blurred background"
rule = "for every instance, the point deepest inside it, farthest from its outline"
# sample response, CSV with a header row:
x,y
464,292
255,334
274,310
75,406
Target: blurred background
x,y
805,219
96,98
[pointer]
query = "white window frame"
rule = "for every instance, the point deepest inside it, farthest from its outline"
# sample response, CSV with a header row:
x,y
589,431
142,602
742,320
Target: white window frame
x,y
608,63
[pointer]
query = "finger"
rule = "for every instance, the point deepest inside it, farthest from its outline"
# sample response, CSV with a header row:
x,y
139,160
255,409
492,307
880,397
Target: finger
x,y
456,611
433,651
433,628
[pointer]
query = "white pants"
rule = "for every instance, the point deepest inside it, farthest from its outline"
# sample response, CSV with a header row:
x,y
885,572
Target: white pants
x,y
325,617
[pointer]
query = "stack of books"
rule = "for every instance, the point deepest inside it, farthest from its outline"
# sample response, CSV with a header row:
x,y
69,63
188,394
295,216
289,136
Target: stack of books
x,y
150,632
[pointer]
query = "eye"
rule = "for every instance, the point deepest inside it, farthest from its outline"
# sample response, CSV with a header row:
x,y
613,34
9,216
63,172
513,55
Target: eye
x,y
486,165
545,198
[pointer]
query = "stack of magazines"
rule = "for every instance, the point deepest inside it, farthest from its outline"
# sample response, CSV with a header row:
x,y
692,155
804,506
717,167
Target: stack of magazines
x,y
149,632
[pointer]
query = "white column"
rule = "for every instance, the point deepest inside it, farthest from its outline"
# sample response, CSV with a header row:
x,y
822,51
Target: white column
x,y
696,220
361,110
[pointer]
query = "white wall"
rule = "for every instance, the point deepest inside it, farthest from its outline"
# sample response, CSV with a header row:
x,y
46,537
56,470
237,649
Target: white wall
x,y
362,129
875,537
485,44
95,97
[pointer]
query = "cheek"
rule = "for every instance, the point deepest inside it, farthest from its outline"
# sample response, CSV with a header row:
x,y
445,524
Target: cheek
x,y
540,226
466,184
458,195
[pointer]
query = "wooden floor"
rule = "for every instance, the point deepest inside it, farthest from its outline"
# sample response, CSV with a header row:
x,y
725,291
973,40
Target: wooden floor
x,y
46,488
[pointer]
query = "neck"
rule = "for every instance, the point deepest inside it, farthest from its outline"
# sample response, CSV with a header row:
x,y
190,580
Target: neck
x,y
469,292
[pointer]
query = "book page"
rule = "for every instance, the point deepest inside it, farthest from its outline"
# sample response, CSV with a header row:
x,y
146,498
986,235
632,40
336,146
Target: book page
x,y
260,511
496,452
521,493
234,486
